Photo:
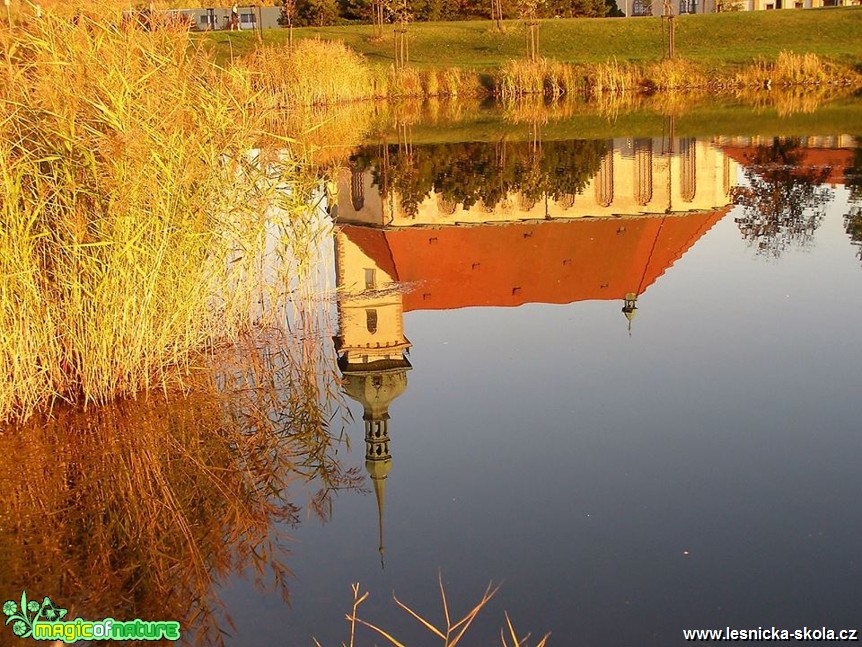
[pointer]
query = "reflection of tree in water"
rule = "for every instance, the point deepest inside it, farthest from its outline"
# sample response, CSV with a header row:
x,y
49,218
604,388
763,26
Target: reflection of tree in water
x,y
472,172
853,227
141,509
853,182
784,202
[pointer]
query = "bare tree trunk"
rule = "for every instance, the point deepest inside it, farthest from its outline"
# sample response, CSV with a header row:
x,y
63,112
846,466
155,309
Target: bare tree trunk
x,y
497,13
378,18
401,46
671,37
259,25
536,41
395,46
533,39
671,27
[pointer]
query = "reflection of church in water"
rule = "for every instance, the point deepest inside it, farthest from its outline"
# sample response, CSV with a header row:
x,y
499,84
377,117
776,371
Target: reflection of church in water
x,y
648,204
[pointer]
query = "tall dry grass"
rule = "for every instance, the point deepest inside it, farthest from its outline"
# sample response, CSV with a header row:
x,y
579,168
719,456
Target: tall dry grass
x,y
410,82
449,632
675,75
132,210
310,73
791,69
542,76
553,79
324,73
611,77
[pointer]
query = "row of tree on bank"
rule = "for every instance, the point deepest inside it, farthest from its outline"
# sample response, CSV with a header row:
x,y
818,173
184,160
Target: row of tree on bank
x,y
300,13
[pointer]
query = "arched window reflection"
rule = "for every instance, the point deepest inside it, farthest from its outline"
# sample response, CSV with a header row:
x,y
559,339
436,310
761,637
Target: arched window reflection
x,y
727,183
605,179
643,171
371,321
688,169
357,190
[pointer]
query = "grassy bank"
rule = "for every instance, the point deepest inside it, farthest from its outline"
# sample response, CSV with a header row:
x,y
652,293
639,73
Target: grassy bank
x,y
579,56
318,73
725,41
550,78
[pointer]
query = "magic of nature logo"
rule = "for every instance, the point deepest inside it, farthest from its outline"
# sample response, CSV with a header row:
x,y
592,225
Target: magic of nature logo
x,y
44,621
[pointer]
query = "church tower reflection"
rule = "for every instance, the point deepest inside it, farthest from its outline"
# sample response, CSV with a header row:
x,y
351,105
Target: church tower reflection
x,y
372,354
647,202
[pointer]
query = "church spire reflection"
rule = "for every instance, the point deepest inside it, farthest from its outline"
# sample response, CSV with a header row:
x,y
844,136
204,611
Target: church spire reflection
x,y
375,389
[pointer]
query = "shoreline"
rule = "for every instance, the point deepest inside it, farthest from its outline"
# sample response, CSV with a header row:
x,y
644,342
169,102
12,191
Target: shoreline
x,y
578,57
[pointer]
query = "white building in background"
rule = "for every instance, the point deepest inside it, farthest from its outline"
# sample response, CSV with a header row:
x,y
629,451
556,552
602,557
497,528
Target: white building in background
x,y
750,5
212,18
680,7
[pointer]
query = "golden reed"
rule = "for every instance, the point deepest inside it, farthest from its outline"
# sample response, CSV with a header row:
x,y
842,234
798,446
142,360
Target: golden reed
x,y
132,206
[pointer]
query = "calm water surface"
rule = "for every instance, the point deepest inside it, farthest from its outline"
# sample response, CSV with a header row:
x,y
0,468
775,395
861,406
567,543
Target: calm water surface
x,y
620,377
639,422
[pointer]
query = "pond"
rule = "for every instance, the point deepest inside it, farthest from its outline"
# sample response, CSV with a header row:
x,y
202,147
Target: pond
x,y
616,374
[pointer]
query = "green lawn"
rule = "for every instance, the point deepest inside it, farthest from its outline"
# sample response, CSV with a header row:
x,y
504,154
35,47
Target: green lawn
x,y
719,40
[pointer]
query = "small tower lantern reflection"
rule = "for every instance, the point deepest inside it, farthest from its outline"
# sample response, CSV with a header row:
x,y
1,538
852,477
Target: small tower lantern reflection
x,y
630,307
